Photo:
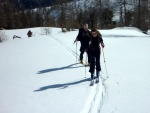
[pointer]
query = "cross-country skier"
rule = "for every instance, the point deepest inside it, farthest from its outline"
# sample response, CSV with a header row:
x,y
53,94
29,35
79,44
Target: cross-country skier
x,y
95,50
84,37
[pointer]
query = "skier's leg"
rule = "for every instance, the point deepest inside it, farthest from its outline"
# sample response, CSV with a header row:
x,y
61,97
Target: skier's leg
x,y
98,67
92,66
89,58
81,56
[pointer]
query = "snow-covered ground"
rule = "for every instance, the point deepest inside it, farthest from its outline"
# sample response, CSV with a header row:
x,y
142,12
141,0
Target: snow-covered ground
x,y
40,74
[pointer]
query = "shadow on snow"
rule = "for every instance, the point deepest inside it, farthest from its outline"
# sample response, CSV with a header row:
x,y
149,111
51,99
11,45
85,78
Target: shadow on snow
x,y
56,69
62,86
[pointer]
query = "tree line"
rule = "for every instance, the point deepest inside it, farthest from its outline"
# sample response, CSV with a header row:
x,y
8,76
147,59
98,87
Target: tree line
x,y
102,14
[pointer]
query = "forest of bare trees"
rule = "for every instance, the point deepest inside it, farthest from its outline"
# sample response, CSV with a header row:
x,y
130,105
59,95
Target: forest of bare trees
x,y
102,14
134,13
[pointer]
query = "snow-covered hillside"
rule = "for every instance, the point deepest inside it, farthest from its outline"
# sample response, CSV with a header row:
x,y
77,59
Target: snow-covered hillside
x,y
40,74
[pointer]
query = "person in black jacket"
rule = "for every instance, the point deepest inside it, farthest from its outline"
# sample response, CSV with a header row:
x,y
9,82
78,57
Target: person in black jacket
x,y
84,37
29,33
95,51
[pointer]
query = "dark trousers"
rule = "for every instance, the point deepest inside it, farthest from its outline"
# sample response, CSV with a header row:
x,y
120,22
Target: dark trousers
x,y
88,55
95,61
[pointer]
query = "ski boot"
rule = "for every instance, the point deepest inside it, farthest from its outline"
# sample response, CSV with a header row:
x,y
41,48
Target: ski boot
x,y
81,61
88,64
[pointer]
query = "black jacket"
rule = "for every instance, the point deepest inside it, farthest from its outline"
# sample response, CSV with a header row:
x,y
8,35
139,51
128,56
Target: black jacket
x,y
95,44
84,38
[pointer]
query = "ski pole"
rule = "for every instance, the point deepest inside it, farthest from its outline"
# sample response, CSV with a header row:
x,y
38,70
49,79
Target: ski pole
x,y
105,62
85,64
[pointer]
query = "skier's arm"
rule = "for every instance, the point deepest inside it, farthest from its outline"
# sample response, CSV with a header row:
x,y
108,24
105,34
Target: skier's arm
x,y
101,41
75,40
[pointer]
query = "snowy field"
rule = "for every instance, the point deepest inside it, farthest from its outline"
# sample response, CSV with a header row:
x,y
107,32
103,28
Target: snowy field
x,y
40,74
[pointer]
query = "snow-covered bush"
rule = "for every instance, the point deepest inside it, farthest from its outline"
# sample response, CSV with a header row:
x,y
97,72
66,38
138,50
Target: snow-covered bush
x,y
3,36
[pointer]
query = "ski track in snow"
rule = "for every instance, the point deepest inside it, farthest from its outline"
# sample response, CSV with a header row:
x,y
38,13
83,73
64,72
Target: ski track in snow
x,y
65,47
95,100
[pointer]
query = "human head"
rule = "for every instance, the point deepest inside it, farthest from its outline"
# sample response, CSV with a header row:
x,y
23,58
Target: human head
x,y
85,26
94,32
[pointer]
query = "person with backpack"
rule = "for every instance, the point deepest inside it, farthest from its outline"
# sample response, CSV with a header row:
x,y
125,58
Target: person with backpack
x,y
84,36
95,51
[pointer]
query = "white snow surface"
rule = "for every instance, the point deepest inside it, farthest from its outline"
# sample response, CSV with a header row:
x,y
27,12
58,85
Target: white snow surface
x,y
40,74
